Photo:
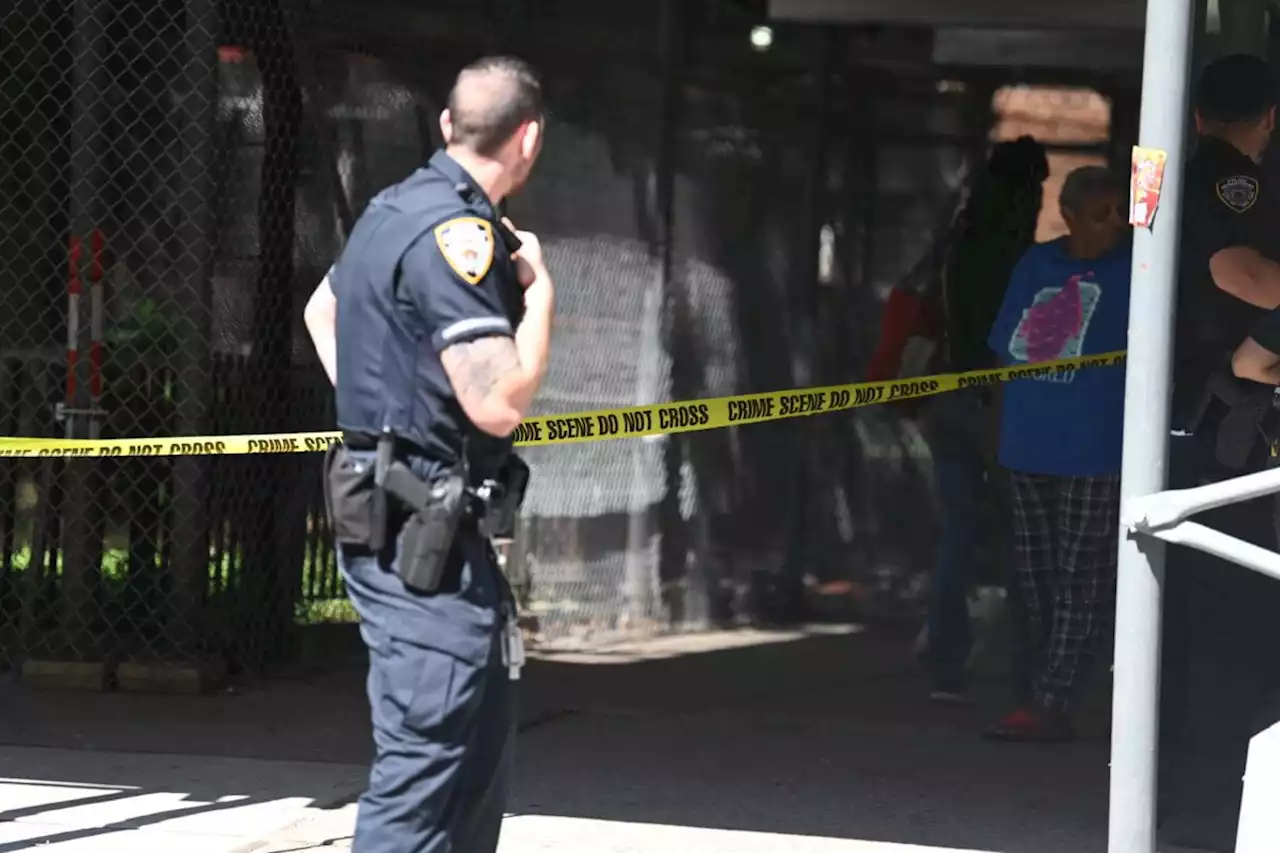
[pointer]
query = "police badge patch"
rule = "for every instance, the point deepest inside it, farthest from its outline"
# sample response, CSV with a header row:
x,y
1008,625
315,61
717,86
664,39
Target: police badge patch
x,y
467,244
1238,192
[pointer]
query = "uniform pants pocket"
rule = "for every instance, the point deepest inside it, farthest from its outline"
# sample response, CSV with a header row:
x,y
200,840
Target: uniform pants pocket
x,y
419,692
432,727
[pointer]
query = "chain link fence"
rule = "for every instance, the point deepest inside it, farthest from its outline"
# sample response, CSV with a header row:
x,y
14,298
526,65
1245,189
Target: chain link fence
x,y
176,176
160,222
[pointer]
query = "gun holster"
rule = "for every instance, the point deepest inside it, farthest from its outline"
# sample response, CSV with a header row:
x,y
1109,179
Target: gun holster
x,y
435,510
1243,420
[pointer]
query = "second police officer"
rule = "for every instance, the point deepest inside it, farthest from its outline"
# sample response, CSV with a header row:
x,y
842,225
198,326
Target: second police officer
x,y
1219,647
435,324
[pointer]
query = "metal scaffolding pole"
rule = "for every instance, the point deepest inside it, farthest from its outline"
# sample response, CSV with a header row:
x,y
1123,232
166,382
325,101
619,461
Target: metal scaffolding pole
x,y
1135,703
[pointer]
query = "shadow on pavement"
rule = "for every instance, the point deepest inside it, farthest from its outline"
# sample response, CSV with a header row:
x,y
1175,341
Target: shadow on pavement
x,y
814,733
825,736
156,802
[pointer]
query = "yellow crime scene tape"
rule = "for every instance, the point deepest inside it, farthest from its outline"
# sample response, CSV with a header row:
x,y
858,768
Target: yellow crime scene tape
x,y
603,425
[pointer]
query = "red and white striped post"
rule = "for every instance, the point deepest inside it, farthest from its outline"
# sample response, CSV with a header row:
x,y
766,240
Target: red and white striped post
x,y
97,244
74,289
67,411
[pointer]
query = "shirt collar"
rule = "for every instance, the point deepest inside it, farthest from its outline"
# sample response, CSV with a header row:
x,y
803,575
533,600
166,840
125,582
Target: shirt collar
x,y
466,186
1222,148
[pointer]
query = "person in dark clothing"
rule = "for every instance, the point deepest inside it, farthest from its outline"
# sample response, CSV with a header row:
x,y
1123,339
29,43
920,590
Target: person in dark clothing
x,y
994,228
1220,617
997,225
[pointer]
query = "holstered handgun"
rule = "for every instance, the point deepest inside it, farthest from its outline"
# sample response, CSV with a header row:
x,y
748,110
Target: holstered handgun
x,y
435,511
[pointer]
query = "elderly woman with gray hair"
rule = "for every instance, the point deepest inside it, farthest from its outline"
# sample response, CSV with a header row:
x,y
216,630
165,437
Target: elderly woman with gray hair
x,y
1060,439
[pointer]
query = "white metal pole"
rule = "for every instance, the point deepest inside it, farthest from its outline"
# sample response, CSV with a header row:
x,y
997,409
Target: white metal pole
x,y
1135,705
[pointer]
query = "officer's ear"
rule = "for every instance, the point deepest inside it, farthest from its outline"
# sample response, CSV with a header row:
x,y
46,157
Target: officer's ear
x,y
1271,119
446,126
531,139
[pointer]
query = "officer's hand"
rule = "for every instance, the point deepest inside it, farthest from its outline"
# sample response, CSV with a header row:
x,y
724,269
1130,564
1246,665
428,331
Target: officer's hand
x,y
529,264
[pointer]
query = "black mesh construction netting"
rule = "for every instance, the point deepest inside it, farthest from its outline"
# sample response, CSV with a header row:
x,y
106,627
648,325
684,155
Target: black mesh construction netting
x,y
177,176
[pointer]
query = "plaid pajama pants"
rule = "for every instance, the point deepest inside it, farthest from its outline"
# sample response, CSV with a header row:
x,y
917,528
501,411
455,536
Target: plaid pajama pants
x,y
1065,537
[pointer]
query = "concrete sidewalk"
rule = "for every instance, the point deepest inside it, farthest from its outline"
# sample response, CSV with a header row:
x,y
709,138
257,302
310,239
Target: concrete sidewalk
x,y
743,781
765,743
544,834
75,801
750,741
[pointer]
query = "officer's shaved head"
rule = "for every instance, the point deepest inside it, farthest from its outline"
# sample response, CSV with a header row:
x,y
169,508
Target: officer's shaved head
x,y
491,99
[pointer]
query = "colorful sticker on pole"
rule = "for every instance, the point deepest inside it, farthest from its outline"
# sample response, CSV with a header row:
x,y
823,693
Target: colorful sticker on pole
x,y
1144,185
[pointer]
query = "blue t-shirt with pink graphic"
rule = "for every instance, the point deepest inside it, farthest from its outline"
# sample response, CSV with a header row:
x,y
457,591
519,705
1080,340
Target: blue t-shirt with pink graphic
x,y
1057,306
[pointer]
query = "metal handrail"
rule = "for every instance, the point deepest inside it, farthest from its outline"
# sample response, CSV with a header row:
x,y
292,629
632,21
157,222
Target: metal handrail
x,y
1165,515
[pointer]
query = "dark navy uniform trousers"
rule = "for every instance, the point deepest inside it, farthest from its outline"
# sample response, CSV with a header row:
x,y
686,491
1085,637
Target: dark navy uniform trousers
x,y
442,703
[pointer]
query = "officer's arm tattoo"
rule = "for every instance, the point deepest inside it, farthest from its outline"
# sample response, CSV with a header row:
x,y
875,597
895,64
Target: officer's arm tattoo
x,y
475,368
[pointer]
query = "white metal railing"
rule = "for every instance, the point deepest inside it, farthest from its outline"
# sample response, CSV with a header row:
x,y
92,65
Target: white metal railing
x,y
1165,515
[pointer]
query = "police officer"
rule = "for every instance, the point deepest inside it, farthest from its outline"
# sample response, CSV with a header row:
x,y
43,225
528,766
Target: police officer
x,y
435,325
1218,638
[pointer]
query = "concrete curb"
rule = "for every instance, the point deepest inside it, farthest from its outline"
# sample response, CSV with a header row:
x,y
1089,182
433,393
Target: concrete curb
x,y
127,677
65,675
169,679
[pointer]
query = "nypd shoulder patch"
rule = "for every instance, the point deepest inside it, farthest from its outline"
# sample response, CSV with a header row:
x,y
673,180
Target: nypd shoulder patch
x,y
1238,192
466,243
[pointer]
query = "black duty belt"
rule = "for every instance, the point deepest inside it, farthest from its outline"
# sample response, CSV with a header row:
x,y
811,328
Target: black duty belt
x,y
364,442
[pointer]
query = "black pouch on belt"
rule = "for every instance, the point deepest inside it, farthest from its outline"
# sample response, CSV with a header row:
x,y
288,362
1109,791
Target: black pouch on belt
x,y
436,509
349,499
499,520
1242,416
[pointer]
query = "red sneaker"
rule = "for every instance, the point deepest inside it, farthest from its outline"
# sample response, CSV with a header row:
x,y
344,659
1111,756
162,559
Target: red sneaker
x,y
1029,725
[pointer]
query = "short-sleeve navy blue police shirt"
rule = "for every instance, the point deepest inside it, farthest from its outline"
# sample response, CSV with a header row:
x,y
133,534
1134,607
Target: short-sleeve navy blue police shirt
x,y
1228,204
427,266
